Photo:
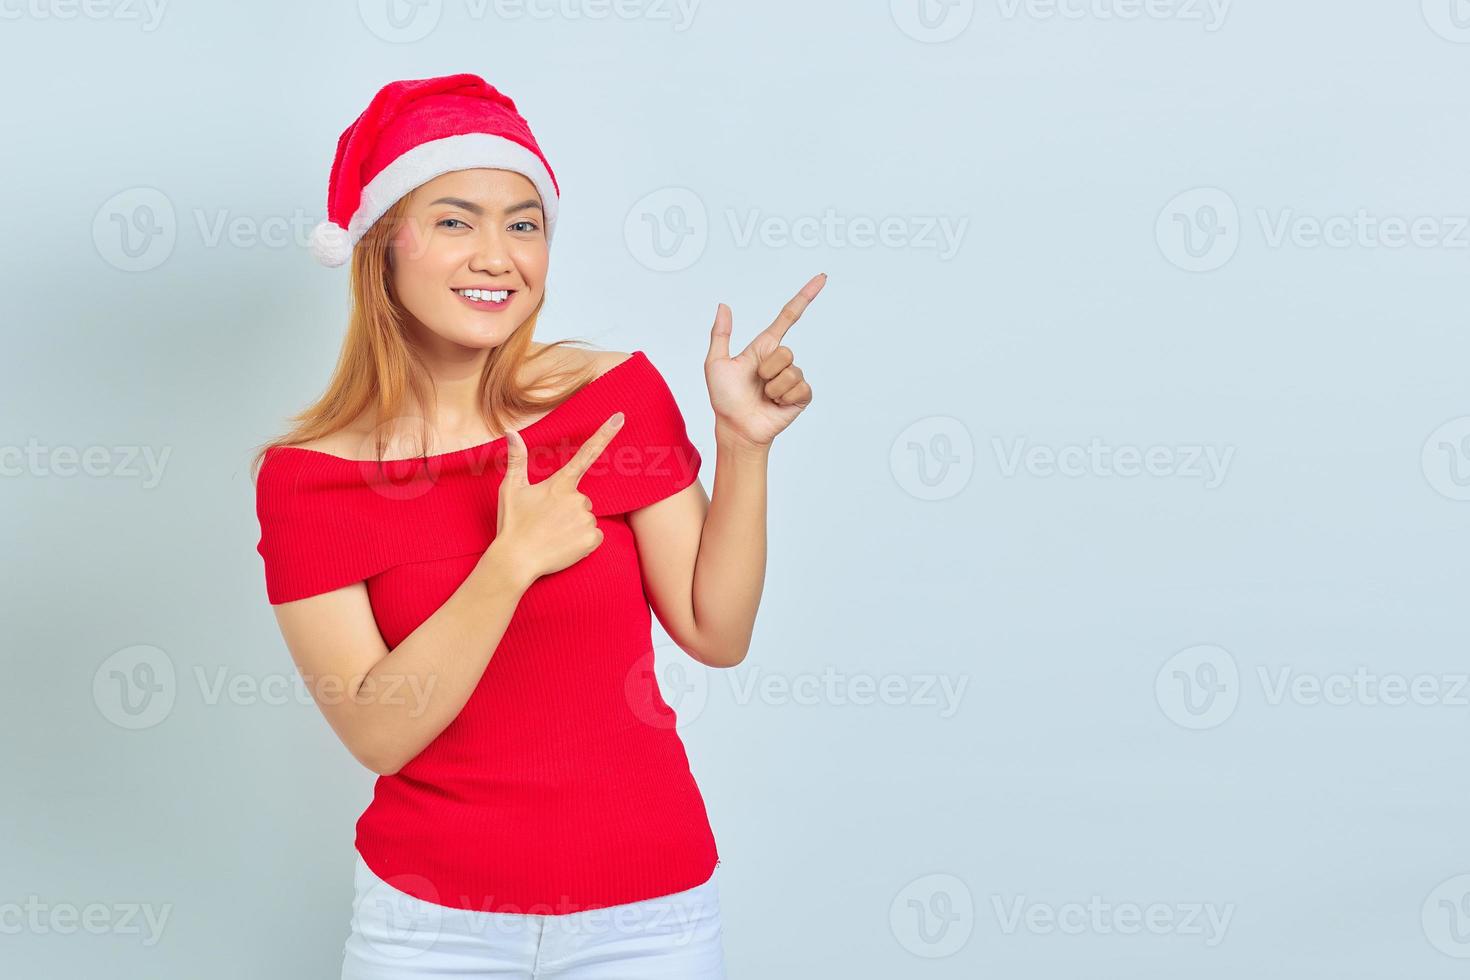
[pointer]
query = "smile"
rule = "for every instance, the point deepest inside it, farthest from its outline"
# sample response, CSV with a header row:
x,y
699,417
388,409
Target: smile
x,y
486,299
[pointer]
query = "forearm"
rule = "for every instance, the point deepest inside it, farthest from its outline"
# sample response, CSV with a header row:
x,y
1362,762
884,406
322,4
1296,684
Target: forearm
x,y
730,571
414,692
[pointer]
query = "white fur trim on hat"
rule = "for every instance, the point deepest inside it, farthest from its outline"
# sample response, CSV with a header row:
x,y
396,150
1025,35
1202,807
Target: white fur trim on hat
x,y
423,163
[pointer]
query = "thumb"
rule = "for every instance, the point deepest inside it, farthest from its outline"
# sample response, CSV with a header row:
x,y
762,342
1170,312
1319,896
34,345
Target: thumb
x,y
719,335
515,459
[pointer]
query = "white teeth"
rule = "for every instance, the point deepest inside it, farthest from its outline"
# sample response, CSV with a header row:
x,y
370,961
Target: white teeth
x,y
485,295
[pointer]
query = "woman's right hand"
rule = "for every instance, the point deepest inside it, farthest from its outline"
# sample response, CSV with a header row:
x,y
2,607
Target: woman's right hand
x,y
544,527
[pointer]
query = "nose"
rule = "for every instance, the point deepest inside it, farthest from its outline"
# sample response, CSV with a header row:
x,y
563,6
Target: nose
x,y
490,254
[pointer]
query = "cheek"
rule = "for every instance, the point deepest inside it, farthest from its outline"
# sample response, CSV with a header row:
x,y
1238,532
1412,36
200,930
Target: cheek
x,y
421,263
531,262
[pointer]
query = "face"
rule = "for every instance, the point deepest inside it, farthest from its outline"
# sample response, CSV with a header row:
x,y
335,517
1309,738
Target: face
x,y
477,230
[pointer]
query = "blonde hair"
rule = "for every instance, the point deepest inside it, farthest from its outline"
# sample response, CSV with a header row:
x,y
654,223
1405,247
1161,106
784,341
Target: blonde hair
x,y
378,365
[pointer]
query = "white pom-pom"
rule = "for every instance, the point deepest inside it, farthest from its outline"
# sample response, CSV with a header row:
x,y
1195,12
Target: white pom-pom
x,y
329,244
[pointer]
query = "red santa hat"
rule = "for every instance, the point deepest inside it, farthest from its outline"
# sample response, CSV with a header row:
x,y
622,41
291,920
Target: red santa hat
x,y
413,131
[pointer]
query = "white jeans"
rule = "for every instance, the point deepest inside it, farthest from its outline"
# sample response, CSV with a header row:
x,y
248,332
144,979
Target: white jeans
x,y
396,936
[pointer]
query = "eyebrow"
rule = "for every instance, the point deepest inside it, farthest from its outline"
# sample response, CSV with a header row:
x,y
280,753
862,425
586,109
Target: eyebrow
x,y
475,209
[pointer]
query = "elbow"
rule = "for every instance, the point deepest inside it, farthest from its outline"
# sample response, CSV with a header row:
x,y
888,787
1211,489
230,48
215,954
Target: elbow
x,y
720,658
379,761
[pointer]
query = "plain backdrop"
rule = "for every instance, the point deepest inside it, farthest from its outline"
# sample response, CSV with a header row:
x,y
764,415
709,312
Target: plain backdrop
x,y
1114,623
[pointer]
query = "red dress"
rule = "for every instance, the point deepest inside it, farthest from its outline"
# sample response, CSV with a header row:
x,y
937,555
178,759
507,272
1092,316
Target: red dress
x,y
562,785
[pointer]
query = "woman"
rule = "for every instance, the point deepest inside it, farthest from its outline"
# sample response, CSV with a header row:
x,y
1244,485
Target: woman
x,y
472,610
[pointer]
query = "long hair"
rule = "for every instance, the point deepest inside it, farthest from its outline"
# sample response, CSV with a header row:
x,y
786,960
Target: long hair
x,y
379,366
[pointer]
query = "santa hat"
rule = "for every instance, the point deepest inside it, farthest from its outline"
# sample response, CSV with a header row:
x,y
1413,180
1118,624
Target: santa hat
x,y
413,131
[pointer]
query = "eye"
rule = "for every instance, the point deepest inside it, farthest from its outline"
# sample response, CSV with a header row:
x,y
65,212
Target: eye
x,y
445,222
525,225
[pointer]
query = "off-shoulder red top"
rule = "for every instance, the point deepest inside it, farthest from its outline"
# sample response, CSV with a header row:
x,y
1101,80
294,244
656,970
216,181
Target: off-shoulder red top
x,y
562,785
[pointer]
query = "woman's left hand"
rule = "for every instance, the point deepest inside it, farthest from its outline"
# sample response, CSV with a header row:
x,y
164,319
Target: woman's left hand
x,y
760,391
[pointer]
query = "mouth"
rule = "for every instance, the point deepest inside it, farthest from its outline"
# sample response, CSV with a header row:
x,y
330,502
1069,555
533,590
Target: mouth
x,y
486,299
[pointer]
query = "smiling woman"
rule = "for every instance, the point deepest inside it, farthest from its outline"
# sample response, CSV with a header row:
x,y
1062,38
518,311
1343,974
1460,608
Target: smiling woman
x,y
509,567
537,777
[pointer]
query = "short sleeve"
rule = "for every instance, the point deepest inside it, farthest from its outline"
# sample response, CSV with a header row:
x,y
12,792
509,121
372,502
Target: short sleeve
x,y
324,526
651,457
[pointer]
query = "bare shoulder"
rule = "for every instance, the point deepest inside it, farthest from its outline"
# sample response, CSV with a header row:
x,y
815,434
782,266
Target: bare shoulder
x,y
603,361
343,442
595,362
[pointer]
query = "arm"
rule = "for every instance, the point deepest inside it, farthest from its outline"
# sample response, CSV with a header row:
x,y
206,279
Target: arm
x,y
703,561
387,706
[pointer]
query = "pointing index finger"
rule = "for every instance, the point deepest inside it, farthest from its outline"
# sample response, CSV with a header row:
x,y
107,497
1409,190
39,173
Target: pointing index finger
x,y
591,449
792,311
